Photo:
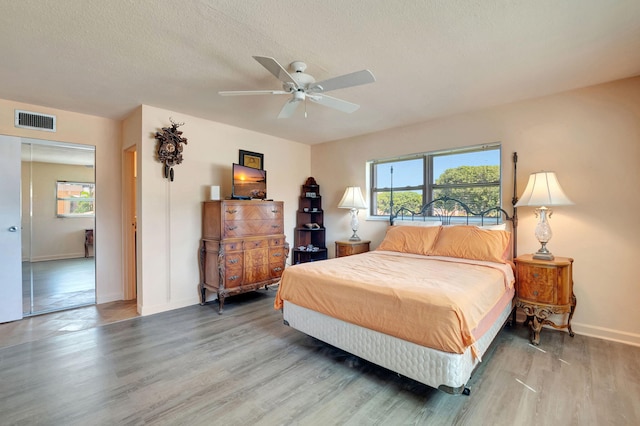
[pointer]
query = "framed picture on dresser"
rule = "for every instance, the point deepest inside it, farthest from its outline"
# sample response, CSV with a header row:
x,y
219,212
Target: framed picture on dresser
x,y
254,160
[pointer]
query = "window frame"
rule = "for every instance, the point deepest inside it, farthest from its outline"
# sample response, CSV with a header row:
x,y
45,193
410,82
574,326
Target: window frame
x,y
428,186
59,198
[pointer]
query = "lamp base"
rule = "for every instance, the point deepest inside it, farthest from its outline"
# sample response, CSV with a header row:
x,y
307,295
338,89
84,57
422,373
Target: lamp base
x,y
354,237
543,253
543,256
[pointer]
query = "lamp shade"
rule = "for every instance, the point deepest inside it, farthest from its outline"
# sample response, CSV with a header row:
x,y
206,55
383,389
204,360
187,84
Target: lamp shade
x,y
543,189
352,199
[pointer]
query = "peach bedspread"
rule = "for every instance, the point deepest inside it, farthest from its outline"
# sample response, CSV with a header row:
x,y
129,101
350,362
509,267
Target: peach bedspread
x,y
432,301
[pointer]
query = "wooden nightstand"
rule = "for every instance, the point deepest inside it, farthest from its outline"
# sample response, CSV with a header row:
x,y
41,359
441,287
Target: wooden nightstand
x,y
347,248
543,288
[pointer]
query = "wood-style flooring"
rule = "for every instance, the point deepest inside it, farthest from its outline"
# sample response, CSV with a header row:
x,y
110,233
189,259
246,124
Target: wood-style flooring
x,y
54,285
192,366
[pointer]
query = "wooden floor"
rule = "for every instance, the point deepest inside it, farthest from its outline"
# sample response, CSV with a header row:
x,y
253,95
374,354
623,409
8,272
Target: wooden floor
x,y
58,284
193,366
52,324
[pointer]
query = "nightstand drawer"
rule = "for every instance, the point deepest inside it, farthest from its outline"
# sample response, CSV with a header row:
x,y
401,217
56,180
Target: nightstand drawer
x,y
537,283
348,248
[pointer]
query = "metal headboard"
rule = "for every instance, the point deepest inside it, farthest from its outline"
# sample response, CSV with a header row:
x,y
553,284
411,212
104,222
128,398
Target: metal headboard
x,y
449,211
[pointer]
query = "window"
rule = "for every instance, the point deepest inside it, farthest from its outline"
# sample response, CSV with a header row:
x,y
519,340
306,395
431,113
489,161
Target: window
x,y
75,199
470,175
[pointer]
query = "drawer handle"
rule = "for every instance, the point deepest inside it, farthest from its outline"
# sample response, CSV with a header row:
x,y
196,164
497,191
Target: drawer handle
x,y
277,254
274,211
275,226
232,211
536,275
231,228
233,277
257,244
277,269
233,261
535,293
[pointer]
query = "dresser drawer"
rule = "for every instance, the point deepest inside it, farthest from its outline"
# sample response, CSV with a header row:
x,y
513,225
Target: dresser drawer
x,y
276,270
251,244
231,246
233,259
252,210
236,229
277,242
277,255
233,277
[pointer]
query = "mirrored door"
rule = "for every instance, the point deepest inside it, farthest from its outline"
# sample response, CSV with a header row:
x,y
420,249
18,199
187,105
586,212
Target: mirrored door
x,y
58,226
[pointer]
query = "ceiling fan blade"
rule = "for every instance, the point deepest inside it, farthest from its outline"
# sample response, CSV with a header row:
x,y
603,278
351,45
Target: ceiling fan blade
x,y
252,92
289,108
334,103
347,80
276,69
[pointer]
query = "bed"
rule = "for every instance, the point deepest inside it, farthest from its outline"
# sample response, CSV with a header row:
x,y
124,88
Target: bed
x,y
426,303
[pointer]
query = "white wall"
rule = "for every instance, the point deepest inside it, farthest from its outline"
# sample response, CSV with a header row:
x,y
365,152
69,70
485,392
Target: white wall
x,y
169,213
589,137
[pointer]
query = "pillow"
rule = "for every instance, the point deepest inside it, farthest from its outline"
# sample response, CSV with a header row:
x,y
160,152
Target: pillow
x,y
495,227
471,242
399,222
410,239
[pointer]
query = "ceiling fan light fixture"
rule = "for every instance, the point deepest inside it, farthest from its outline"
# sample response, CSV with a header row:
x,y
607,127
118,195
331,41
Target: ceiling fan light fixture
x,y
299,85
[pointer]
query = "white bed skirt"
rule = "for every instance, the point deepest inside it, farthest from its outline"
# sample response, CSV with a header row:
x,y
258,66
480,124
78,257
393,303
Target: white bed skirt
x,y
446,371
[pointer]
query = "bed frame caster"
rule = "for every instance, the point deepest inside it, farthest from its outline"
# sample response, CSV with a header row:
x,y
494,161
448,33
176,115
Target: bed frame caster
x,y
466,391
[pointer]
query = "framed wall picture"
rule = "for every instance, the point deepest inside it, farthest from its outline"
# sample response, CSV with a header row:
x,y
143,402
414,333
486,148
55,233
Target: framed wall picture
x,y
251,159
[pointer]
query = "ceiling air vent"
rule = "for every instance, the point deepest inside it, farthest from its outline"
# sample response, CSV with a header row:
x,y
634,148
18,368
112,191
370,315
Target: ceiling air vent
x,y
35,121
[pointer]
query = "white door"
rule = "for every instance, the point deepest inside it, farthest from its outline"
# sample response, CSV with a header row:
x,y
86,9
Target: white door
x,y
10,233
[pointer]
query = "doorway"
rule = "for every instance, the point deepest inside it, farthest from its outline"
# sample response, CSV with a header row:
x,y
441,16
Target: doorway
x,y
58,226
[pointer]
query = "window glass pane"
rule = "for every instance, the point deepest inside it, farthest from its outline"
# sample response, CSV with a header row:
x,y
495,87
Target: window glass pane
x,y
75,198
409,199
444,165
405,173
478,199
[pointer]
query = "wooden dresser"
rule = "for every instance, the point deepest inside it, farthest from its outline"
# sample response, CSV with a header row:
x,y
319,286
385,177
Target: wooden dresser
x,y
243,246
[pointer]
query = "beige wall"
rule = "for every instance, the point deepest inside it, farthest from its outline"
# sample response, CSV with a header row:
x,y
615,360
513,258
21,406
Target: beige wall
x,y
169,213
53,237
104,134
589,137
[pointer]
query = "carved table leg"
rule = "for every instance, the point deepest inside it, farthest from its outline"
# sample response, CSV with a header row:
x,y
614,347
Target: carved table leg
x,y
573,309
220,304
536,326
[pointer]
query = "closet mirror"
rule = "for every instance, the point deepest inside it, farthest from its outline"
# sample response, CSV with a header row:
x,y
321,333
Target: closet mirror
x,y
58,226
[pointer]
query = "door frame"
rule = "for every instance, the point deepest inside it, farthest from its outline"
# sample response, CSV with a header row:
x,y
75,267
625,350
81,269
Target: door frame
x,y
129,215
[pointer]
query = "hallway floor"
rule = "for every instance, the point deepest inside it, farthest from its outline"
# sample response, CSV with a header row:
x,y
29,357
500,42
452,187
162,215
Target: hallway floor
x,y
56,323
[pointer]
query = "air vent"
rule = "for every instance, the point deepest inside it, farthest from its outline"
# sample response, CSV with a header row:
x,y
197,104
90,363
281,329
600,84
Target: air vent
x,y
35,121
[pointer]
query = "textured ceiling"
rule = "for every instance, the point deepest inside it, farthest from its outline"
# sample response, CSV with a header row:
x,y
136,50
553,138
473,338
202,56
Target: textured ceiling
x,y
431,58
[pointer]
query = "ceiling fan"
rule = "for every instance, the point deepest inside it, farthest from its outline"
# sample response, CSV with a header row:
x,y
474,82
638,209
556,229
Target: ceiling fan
x,y
302,86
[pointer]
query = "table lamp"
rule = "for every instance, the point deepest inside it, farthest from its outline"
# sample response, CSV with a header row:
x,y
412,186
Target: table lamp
x,y
542,191
353,199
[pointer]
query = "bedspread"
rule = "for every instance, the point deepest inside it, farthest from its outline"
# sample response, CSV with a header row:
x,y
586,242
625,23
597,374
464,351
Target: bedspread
x,y
431,301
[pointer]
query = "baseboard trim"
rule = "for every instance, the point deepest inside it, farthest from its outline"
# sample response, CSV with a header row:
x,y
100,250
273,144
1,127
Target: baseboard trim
x,y
604,333
627,338
156,309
